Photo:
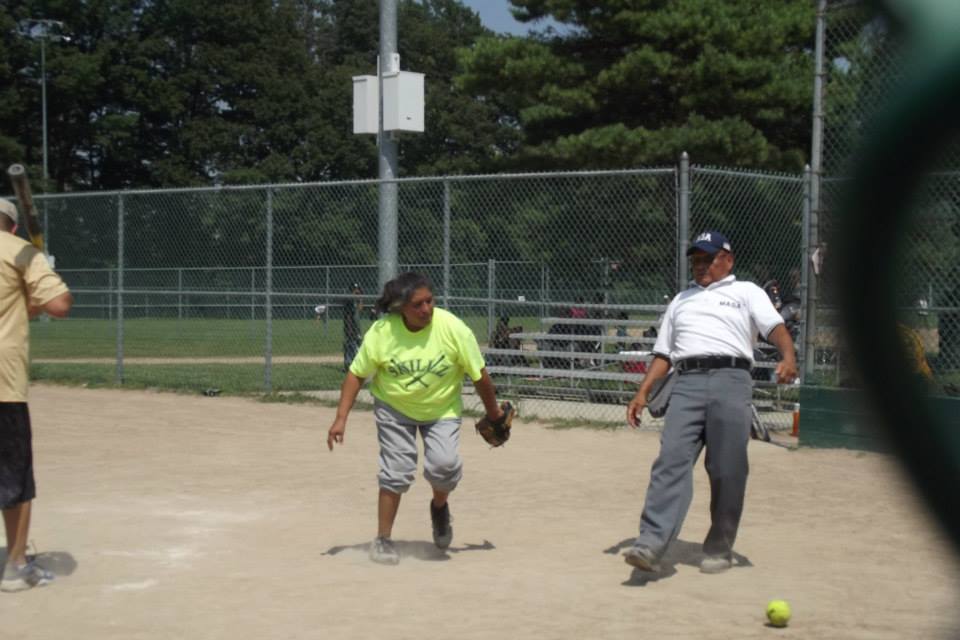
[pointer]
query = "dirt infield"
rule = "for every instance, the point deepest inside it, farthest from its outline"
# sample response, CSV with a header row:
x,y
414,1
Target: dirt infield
x,y
177,516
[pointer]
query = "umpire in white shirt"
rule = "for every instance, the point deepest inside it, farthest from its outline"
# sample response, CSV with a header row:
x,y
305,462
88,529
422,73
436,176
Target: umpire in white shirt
x,y
707,335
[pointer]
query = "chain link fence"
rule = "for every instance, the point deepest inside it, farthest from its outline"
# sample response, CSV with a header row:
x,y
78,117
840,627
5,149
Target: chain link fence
x,y
863,62
243,288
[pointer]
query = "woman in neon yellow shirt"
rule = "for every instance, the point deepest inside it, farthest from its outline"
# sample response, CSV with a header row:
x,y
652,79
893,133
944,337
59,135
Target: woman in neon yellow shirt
x,y
417,356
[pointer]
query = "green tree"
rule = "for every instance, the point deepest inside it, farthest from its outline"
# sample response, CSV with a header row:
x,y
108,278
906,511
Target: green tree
x,y
160,93
635,82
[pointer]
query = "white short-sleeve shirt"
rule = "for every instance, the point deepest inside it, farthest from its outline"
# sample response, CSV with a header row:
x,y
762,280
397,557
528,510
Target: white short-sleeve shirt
x,y
721,319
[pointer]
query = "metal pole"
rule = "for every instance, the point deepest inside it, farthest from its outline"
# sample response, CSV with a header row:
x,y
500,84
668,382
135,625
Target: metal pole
x,y
40,29
543,290
683,221
46,172
491,294
606,280
326,300
43,100
180,294
446,244
119,369
267,299
809,303
389,62
807,346
546,295
46,229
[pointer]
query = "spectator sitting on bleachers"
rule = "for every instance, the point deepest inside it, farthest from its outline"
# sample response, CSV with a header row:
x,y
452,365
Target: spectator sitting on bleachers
x,y
576,311
501,340
638,366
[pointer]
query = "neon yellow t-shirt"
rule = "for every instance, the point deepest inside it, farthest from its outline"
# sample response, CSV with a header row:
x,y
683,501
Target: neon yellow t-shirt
x,y
419,373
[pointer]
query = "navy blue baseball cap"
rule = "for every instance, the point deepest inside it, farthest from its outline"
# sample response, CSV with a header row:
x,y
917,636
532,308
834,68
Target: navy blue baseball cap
x,y
711,242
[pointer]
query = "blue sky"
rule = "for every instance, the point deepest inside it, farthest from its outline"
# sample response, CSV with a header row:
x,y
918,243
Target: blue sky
x,y
495,15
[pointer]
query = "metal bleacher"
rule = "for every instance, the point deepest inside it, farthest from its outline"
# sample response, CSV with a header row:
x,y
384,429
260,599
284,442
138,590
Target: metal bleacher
x,y
580,366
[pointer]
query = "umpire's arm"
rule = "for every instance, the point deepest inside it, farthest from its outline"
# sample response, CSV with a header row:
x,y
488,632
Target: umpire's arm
x,y
787,367
658,368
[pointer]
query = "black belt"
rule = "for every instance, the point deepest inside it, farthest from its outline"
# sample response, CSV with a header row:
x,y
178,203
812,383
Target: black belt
x,y
712,362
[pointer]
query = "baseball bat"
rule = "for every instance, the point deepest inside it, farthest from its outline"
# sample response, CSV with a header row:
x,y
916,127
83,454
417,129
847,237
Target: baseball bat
x,y
21,187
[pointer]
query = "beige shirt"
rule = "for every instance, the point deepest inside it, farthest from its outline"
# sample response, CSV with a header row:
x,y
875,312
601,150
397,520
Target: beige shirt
x,y
25,278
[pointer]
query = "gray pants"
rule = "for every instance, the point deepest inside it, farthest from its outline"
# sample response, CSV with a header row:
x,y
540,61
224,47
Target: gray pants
x,y
397,435
712,409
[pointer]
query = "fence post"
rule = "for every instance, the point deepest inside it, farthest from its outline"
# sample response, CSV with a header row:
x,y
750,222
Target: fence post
x,y
45,317
491,294
46,224
180,294
543,290
809,302
549,295
253,291
267,298
807,349
683,221
446,244
118,376
326,299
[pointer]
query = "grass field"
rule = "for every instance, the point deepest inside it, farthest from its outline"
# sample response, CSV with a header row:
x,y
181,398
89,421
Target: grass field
x,y
190,339
199,338
167,341
229,379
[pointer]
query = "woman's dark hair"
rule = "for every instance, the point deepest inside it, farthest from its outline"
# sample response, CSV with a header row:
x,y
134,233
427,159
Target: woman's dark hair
x,y
398,291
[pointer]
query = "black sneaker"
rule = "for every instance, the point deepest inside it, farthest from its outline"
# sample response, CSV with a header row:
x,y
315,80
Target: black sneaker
x,y
383,551
442,531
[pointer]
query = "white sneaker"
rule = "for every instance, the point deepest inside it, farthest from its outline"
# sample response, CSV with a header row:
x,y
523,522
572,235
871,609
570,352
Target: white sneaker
x,y
383,551
715,564
26,577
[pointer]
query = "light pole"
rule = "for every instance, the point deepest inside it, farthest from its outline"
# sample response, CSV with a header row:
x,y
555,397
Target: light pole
x,y
40,29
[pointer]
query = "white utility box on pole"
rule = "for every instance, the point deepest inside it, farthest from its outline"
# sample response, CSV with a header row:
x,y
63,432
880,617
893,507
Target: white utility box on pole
x,y
403,101
366,103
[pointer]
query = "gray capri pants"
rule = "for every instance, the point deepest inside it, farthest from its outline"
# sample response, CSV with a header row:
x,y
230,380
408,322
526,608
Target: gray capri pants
x,y
397,435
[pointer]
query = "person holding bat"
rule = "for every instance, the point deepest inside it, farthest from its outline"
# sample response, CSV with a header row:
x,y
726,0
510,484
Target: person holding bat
x,y
417,357
707,334
28,286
